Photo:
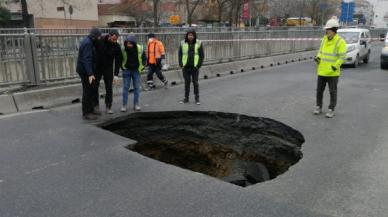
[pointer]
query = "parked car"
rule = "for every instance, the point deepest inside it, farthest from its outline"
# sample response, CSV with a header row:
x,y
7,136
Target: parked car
x,y
382,37
384,54
358,45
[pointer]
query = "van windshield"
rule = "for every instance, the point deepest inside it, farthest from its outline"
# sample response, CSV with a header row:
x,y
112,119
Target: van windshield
x,y
350,37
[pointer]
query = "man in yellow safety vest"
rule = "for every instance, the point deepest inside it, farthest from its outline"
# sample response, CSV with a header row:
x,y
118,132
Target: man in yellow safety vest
x,y
190,58
331,55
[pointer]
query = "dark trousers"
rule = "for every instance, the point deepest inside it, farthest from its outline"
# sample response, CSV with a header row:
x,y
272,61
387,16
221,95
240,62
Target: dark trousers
x,y
107,74
88,94
155,69
191,74
321,85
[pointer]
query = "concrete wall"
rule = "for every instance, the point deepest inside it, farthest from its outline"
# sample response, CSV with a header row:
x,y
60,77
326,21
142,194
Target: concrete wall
x,y
108,1
105,19
85,13
61,23
83,9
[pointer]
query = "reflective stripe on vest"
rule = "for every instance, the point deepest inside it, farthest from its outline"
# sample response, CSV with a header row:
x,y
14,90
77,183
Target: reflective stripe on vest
x,y
332,57
185,52
334,54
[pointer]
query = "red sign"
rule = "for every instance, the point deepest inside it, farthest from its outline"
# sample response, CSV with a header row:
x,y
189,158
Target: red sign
x,y
62,8
245,14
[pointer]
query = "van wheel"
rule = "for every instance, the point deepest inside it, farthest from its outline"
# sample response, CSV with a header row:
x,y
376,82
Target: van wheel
x,y
366,60
356,62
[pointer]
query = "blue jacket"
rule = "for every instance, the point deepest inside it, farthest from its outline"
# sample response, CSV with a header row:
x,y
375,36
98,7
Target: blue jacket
x,y
86,63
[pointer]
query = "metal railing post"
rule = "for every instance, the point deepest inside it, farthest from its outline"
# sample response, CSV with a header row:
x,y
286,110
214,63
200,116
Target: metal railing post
x,y
31,58
293,43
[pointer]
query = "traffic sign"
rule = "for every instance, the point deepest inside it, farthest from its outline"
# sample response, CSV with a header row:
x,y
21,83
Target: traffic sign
x,y
347,11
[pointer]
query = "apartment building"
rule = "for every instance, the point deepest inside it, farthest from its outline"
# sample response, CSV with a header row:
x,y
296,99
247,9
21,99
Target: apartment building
x,y
57,13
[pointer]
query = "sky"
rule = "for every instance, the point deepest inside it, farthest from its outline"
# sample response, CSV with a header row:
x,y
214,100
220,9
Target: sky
x,y
381,10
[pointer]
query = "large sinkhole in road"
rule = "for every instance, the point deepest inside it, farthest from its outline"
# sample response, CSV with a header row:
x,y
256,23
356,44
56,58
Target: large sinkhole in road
x,y
238,149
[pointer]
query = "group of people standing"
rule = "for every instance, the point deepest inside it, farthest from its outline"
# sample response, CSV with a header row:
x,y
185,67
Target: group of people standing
x,y
102,58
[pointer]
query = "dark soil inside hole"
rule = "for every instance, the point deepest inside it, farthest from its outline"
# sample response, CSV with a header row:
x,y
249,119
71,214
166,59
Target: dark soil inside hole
x,y
239,149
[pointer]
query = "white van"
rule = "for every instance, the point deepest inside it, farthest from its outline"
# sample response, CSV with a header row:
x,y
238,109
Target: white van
x,y
358,45
386,40
384,54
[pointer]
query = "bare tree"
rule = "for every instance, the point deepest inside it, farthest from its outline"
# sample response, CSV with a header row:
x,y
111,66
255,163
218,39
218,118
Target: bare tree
x,y
221,7
235,11
155,12
134,8
191,5
5,16
261,7
321,10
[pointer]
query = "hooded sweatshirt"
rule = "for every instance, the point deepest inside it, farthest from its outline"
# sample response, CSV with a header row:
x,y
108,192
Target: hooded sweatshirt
x,y
132,54
191,53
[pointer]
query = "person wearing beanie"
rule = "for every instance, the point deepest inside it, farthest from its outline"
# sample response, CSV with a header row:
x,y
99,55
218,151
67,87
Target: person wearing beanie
x,y
108,66
330,57
133,61
155,56
87,69
190,58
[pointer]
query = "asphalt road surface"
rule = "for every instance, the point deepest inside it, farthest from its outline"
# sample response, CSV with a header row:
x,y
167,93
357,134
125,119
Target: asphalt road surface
x,y
52,163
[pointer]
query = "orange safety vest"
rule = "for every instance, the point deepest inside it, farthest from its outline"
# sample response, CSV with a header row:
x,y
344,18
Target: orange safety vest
x,y
155,50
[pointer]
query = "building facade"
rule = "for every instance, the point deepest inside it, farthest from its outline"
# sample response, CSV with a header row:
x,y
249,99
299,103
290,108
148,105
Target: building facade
x,y
58,13
380,8
364,11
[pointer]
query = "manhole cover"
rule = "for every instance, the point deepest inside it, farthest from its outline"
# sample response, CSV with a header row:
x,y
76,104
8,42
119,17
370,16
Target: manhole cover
x,y
235,148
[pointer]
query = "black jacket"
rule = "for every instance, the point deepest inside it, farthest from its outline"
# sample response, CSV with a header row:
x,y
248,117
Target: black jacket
x,y
108,53
132,61
190,60
87,57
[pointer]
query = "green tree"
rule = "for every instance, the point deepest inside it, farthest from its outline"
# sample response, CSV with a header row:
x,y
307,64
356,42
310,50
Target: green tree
x,y
5,16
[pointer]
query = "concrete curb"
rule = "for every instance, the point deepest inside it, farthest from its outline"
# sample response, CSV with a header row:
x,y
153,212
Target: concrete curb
x,y
7,104
47,98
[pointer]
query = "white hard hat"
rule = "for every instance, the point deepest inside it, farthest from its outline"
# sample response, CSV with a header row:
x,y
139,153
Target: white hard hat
x,y
332,23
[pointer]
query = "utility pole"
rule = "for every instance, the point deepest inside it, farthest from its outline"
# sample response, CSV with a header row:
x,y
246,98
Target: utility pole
x,y
347,14
26,22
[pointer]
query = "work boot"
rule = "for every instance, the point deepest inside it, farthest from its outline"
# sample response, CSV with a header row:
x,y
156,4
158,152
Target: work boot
x,y
137,107
197,102
89,117
318,110
150,86
184,101
330,113
109,110
165,83
96,110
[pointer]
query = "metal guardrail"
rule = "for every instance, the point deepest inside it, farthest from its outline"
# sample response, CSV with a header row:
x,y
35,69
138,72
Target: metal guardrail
x,y
35,58
151,29
166,29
